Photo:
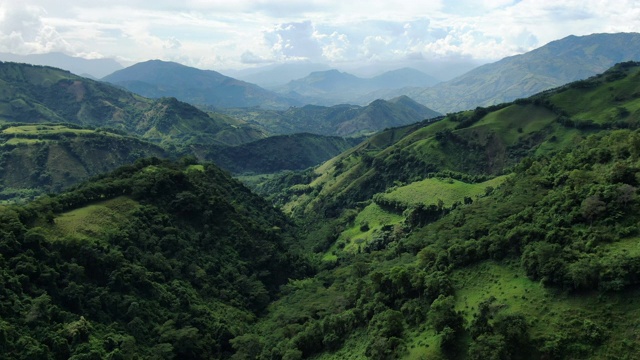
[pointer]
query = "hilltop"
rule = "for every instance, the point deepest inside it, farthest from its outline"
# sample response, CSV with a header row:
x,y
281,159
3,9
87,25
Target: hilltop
x,y
155,260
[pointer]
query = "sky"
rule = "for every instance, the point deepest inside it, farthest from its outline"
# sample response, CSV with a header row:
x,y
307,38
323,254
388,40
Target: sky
x,y
237,34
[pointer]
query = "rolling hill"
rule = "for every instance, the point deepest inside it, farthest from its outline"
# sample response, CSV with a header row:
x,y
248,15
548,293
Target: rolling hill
x,y
554,64
156,79
155,260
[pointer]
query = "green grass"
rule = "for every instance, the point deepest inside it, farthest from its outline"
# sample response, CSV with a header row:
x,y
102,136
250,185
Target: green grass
x,y
92,220
596,103
43,130
550,312
423,343
17,141
197,167
515,120
629,247
429,191
375,218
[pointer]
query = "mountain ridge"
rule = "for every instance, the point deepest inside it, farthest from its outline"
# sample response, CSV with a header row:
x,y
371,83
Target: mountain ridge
x,y
551,65
157,78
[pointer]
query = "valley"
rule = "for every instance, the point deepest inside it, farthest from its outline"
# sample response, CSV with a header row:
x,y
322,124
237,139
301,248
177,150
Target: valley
x,y
162,225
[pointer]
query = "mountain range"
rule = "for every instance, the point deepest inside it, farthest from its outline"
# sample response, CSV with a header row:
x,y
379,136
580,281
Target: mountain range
x,y
156,79
554,64
275,75
334,87
337,120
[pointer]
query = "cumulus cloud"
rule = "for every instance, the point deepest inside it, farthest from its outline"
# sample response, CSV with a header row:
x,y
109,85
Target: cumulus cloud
x,y
245,32
249,57
23,32
296,40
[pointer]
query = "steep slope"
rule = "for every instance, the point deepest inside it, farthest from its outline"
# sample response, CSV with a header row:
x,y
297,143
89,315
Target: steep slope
x,y
552,65
483,142
156,79
276,153
338,120
428,254
37,94
155,260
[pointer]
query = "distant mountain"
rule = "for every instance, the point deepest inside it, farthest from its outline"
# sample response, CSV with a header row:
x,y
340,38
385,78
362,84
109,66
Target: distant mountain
x,y
276,75
334,87
38,94
338,120
94,68
552,65
276,153
157,79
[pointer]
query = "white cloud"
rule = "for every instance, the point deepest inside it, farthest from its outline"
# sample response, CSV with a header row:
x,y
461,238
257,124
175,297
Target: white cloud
x,y
23,32
222,33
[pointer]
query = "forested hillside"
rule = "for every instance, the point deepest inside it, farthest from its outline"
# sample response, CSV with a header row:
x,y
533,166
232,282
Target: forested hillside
x,y
276,153
46,158
155,261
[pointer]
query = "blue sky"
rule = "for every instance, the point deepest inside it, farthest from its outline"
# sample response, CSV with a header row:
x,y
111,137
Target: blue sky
x,y
248,33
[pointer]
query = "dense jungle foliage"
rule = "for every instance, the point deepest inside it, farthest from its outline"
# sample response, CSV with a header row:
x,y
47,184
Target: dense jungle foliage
x,y
156,260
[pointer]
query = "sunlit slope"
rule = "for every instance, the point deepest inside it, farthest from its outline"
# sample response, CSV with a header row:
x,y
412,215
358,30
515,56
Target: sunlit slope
x,y
480,143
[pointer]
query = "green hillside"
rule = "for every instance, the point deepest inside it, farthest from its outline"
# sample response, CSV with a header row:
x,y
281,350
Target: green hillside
x,y
46,158
276,153
338,120
474,145
427,254
38,94
156,260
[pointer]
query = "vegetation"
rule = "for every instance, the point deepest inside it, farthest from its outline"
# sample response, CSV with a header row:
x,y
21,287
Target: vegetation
x,y
276,153
156,260
37,94
338,120
506,232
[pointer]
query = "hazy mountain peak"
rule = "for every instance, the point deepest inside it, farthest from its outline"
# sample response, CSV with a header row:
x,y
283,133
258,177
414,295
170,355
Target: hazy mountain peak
x,y
157,78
